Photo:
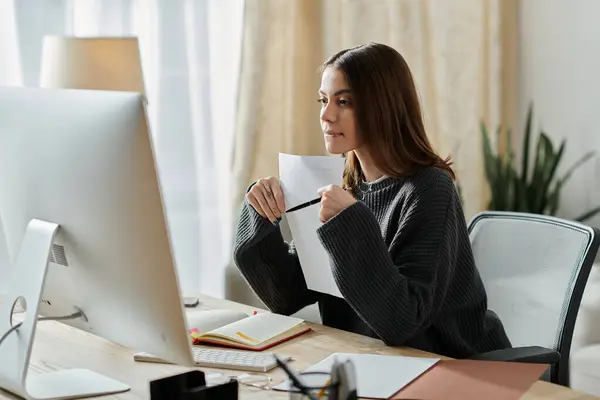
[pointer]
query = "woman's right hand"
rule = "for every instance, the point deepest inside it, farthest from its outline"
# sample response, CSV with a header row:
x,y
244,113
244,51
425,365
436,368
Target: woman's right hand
x,y
266,197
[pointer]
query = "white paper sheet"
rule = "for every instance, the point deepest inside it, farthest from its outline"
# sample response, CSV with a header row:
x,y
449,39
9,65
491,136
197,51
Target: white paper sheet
x,y
378,376
301,177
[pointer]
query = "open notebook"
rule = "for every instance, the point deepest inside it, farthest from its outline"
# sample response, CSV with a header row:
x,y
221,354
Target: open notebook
x,y
235,329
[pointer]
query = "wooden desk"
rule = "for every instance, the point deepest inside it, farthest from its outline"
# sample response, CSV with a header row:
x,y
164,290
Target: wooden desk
x,y
58,346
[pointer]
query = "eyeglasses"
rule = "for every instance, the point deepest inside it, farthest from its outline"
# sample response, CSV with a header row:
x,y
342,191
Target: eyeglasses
x,y
310,390
261,381
317,383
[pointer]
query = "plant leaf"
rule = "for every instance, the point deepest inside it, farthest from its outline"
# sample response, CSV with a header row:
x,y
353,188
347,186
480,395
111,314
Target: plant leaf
x,y
510,174
589,214
490,164
545,165
554,198
537,174
549,171
587,156
501,183
520,195
526,140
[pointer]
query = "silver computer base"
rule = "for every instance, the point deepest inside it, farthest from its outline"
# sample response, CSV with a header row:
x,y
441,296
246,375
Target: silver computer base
x,y
26,281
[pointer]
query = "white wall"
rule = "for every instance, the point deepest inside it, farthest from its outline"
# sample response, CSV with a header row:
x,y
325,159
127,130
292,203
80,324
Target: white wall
x,y
560,72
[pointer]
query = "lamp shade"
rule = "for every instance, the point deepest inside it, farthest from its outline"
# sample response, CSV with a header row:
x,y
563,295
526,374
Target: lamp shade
x,y
103,63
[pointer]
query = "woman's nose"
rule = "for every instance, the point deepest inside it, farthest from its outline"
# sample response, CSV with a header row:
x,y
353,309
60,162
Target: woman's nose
x,y
328,113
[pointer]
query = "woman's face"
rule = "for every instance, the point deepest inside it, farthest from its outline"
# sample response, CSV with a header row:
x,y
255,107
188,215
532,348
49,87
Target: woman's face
x,y
337,113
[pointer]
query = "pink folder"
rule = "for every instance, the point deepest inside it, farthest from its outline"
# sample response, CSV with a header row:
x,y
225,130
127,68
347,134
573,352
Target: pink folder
x,y
473,379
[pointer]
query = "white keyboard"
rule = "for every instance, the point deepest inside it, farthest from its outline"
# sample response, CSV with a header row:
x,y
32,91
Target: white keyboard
x,y
228,359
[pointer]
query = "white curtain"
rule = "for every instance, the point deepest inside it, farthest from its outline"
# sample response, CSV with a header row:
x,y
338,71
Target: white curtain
x,y
190,54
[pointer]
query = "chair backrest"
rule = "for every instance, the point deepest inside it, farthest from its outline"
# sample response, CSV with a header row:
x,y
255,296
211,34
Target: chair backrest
x,y
534,268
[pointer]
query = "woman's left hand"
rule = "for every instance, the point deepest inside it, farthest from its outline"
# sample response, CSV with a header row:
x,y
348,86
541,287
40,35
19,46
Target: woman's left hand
x,y
334,200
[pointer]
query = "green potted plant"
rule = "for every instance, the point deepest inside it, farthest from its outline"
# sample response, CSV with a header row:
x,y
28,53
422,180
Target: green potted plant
x,y
536,188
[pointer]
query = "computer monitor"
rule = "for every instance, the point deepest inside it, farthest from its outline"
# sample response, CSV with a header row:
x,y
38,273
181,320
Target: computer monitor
x,y
84,160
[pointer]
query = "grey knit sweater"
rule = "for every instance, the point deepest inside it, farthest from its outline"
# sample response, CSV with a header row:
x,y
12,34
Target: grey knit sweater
x,y
402,259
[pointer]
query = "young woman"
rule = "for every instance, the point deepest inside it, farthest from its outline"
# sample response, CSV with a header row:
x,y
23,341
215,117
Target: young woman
x,y
395,232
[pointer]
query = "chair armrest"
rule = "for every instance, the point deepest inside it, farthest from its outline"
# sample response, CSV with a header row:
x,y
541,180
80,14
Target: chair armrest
x,y
531,354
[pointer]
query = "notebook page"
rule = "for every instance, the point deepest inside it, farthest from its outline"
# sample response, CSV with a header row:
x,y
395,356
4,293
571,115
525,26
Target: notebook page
x,y
208,320
301,177
258,328
377,376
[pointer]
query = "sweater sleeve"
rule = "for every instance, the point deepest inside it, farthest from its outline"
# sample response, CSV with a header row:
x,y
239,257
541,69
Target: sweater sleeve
x,y
269,264
395,288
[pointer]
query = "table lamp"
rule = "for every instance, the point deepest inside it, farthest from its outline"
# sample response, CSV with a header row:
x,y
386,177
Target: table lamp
x,y
96,63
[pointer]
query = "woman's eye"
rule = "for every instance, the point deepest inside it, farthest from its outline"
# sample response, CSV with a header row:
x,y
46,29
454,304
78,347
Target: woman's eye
x,y
322,100
344,102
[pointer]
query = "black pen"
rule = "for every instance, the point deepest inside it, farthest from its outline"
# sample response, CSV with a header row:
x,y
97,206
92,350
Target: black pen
x,y
304,205
294,378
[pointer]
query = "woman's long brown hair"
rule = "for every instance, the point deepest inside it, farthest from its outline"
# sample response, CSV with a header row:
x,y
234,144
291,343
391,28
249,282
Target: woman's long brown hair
x,y
388,113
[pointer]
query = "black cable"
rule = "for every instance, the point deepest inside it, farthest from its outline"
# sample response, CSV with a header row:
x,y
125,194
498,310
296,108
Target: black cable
x,y
63,318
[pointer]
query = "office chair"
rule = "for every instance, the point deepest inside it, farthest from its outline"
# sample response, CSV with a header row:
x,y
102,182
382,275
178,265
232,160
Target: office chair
x,y
534,269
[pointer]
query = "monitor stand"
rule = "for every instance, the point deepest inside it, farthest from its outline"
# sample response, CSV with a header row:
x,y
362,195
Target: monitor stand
x,y
26,281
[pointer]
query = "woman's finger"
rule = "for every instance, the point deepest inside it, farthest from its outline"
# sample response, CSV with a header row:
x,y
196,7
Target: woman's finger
x,y
323,215
260,197
324,189
270,198
254,203
278,193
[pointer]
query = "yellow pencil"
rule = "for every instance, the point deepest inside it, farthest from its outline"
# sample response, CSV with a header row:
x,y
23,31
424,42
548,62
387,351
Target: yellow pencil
x,y
322,391
240,334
